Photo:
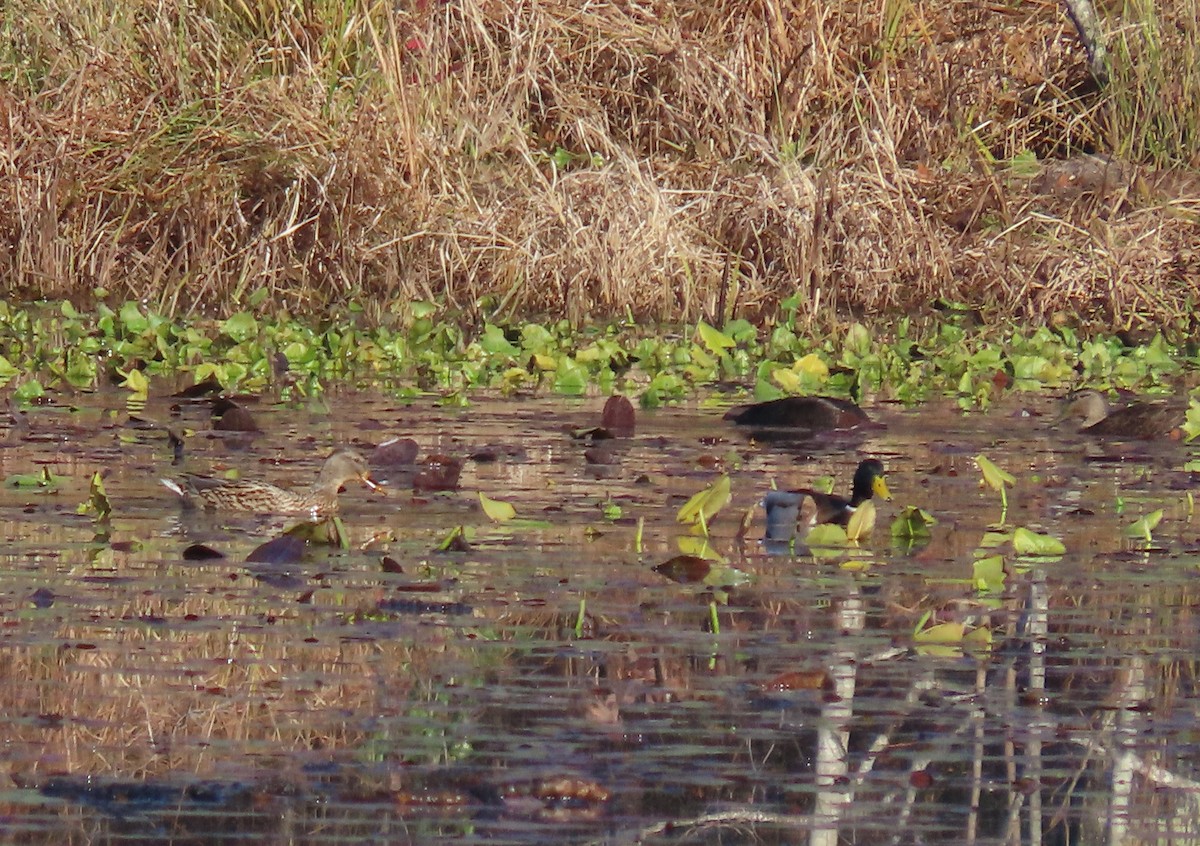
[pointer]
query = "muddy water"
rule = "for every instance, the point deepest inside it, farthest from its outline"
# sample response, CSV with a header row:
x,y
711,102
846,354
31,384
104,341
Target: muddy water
x,y
546,684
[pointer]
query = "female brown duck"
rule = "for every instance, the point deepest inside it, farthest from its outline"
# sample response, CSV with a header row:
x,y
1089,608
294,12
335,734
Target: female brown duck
x,y
1138,420
260,497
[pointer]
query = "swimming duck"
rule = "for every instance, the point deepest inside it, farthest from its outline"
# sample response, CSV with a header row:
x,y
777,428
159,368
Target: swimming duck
x,y
1142,420
783,507
816,414
237,495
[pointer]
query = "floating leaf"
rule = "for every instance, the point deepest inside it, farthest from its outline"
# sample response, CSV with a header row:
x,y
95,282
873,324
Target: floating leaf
x,y
1191,423
993,476
133,320
862,521
495,342
285,549
1026,542
943,633
988,573
136,381
28,390
812,365
455,541
240,327
97,498
570,378
991,540
699,547
685,569
714,339
826,535
496,510
1143,527
912,522
702,507
44,479
978,639
858,340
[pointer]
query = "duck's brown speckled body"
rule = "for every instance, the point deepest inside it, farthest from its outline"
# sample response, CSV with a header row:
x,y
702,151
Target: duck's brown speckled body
x,y
263,498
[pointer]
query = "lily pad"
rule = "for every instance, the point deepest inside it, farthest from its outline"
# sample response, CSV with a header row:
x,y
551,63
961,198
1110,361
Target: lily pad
x,y
496,510
1026,542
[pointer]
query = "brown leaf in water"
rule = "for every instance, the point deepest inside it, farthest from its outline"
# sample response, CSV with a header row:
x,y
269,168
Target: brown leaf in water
x,y
601,455
285,549
685,569
798,680
200,552
394,452
618,416
571,789
390,565
440,473
495,452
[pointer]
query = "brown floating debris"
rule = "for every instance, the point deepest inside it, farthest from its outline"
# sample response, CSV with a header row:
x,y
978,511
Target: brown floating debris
x,y
685,568
395,451
440,473
200,552
618,416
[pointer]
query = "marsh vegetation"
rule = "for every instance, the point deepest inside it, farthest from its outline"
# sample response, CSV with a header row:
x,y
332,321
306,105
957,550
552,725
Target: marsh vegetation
x,y
668,161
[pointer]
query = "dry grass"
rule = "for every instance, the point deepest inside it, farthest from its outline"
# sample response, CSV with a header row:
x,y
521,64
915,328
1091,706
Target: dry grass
x,y
672,159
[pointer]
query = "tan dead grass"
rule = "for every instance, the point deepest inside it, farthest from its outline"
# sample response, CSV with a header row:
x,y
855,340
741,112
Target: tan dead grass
x,y
715,158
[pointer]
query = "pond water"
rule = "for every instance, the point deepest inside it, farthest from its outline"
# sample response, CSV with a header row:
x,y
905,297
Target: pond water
x,y
546,684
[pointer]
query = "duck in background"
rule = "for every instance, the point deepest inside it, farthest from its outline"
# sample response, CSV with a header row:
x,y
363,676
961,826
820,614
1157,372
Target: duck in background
x,y
1137,420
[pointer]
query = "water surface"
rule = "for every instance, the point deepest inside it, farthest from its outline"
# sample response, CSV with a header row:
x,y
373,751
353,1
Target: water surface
x,y
547,684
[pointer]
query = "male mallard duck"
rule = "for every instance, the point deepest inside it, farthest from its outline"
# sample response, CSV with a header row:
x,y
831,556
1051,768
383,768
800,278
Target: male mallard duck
x,y
815,414
320,499
783,507
1143,420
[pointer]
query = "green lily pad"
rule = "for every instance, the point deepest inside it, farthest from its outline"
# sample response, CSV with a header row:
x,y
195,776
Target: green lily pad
x,y
1144,526
705,505
1025,542
496,510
